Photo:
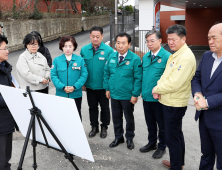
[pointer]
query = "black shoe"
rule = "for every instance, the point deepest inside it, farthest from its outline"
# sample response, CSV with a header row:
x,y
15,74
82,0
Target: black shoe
x,y
148,148
159,153
103,133
93,132
116,142
130,144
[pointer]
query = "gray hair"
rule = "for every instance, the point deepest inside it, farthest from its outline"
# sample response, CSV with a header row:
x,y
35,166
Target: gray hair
x,y
158,34
180,30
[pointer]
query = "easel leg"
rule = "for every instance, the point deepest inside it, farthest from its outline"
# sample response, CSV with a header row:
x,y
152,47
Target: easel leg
x,y
67,155
34,144
26,143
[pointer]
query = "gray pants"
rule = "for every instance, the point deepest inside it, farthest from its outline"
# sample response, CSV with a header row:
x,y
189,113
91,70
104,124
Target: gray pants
x,y
5,151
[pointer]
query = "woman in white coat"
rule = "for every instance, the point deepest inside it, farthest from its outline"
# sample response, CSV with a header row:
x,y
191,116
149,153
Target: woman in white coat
x,y
32,67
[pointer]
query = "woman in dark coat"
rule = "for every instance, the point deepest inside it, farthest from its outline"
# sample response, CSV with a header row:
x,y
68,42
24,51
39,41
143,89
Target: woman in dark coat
x,y
7,123
43,50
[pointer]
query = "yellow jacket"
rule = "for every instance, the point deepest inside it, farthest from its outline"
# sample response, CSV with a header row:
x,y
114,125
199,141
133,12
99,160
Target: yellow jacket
x,y
175,83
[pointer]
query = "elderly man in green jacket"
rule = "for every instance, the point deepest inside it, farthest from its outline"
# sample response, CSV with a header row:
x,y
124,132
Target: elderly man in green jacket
x,y
122,81
154,63
95,56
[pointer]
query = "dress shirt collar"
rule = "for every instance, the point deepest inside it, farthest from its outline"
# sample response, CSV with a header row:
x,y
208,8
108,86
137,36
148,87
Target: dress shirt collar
x,y
95,49
214,55
124,55
155,52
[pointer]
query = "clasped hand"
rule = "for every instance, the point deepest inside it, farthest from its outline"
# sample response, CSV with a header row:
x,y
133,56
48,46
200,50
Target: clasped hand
x,y
69,89
155,95
200,102
45,80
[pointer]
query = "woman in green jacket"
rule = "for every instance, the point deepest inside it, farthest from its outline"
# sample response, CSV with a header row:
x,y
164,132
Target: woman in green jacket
x,y
68,72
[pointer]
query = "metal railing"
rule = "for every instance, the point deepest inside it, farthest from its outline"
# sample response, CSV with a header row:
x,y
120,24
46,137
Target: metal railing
x,y
129,22
140,46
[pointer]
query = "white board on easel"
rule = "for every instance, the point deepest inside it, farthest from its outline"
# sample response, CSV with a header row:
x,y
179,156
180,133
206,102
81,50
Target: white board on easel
x,y
60,113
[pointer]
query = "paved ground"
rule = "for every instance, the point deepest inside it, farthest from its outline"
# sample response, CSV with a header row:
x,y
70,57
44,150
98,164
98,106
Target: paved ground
x,y
119,158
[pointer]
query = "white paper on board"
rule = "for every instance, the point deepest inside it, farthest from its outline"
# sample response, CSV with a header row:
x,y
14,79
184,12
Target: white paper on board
x,y
60,113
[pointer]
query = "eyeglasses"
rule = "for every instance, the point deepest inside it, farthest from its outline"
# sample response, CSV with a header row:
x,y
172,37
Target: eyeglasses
x,y
33,45
5,49
151,42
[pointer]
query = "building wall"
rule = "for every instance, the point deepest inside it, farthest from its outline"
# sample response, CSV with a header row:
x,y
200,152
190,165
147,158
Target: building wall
x,y
6,5
198,23
146,13
165,22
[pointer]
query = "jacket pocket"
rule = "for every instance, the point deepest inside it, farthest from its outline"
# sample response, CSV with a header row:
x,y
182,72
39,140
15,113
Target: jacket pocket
x,y
87,60
61,69
112,68
159,69
61,72
145,66
127,71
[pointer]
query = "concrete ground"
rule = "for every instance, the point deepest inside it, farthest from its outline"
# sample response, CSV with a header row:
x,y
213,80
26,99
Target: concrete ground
x,y
119,158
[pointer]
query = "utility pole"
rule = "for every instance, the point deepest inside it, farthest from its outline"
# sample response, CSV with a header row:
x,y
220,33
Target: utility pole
x,y
115,11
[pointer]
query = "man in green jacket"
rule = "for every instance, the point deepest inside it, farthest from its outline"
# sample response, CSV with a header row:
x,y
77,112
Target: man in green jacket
x,y
95,56
123,81
154,63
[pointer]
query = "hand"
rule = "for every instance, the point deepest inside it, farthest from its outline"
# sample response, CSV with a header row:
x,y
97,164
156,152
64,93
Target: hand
x,y
83,88
196,96
45,81
108,94
66,89
133,100
153,90
199,107
156,96
201,102
71,89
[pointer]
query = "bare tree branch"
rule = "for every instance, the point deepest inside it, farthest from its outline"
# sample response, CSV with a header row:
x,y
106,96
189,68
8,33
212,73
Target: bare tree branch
x,y
28,2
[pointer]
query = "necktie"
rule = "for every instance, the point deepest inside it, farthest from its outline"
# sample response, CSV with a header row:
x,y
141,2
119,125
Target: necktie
x,y
153,56
121,59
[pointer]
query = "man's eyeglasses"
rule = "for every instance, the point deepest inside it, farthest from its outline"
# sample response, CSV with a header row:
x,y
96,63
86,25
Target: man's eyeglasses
x,y
150,42
5,49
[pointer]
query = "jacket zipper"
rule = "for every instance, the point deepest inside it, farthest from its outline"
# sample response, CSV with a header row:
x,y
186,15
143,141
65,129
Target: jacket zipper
x,y
92,64
67,75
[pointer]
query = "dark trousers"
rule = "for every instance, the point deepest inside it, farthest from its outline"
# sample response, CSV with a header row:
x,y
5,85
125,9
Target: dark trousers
x,y
78,102
211,146
95,97
5,151
174,135
45,90
118,108
154,116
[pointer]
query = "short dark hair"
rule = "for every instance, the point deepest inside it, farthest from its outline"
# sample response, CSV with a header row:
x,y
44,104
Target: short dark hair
x,y
124,34
180,30
3,39
96,28
40,37
217,22
151,32
68,38
30,38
